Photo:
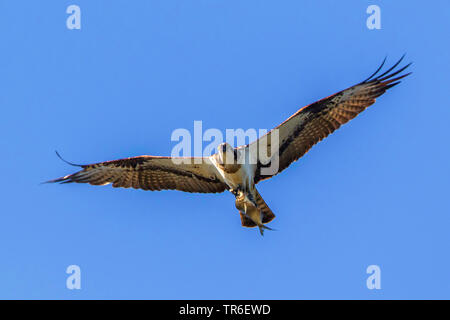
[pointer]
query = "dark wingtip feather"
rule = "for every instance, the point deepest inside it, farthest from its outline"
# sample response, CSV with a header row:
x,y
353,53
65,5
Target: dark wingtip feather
x,y
392,68
65,179
393,74
387,79
387,75
391,85
379,68
70,163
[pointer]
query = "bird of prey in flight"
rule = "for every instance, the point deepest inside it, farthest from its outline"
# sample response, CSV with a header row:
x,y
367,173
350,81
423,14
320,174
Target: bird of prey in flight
x,y
222,171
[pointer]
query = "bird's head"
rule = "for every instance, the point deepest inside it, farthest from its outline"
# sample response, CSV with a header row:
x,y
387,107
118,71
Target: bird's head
x,y
227,154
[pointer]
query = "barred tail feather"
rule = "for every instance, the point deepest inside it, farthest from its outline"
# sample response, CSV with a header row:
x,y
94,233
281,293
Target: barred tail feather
x,y
266,214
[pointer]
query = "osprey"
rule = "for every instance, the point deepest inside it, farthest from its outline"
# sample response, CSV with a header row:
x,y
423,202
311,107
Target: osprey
x,y
238,170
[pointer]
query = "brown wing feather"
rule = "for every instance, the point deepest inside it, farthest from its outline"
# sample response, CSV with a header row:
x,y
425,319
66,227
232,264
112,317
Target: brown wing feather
x,y
150,173
316,121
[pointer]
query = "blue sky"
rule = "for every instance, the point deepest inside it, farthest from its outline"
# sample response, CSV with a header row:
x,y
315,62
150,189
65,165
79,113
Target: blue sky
x,y
373,193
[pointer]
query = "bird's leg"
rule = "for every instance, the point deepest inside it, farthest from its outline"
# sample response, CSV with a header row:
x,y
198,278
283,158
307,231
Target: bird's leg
x,y
236,190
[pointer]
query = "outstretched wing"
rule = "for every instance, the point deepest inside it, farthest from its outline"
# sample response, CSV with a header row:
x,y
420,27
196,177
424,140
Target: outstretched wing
x,y
316,121
151,173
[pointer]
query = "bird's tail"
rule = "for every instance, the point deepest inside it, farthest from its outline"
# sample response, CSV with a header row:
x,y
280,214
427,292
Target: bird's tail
x,y
266,214
249,223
